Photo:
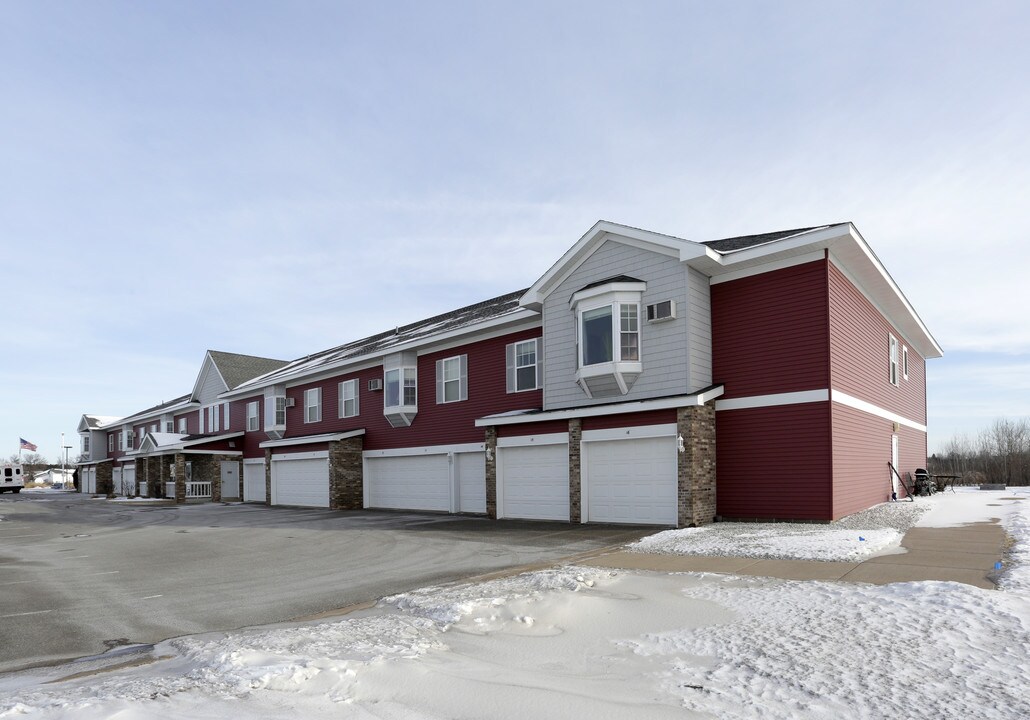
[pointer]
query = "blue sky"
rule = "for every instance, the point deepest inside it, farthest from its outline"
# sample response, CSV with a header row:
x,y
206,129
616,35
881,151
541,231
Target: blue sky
x,y
277,178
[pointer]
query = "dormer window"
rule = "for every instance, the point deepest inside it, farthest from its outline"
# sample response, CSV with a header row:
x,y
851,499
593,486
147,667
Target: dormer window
x,y
400,388
608,329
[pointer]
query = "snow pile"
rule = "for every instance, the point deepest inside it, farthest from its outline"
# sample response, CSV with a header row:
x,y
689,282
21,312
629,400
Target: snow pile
x,y
449,604
1017,524
823,650
853,538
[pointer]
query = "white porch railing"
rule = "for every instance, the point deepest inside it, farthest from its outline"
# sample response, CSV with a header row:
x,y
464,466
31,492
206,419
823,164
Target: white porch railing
x,y
170,489
198,490
144,491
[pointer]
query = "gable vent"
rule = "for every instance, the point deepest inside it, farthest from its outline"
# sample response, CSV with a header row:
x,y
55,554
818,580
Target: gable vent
x,y
661,311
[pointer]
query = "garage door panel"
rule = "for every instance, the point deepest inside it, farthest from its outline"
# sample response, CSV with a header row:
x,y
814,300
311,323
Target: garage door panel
x,y
536,482
254,482
409,482
471,482
301,482
632,481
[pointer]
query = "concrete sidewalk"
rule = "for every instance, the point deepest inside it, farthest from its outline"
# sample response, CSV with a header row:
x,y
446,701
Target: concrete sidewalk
x,y
965,554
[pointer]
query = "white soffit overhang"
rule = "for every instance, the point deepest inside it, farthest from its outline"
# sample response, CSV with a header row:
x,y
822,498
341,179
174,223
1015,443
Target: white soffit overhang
x,y
850,252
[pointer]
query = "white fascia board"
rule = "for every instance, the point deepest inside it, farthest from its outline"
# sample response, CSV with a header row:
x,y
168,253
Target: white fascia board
x,y
254,461
215,438
679,401
585,246
313,455
927,345
327,437
94,462
495,327
867,407
232,453
425,450
610,288
769,267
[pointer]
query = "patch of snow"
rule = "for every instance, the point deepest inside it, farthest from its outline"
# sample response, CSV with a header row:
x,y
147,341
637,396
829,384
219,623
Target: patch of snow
x,y
137,499
1016,577
969,505
827,650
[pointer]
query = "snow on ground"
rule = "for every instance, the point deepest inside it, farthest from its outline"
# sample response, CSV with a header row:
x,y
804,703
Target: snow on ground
x,y
582,642
857,537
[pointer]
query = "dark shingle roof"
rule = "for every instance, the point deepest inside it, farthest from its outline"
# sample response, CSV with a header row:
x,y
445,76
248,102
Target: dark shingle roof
x,y
162,406
743,242
453,320
237,369
617,278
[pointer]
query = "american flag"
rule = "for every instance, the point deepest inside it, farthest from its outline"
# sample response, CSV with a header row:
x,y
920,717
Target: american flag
x,y
26,445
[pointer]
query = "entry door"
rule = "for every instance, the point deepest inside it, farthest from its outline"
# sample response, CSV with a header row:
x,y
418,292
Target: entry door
x,y
230,479
894,462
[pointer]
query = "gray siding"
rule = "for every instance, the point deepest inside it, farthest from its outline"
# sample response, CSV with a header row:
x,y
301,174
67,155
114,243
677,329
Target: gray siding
x,y
699,327
669,368
210,384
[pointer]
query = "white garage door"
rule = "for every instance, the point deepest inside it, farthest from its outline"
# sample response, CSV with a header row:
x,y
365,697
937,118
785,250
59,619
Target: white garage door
x,y
410,482
116,481
301,482
535,482
254,481
471,469
129,479
85,483
632,481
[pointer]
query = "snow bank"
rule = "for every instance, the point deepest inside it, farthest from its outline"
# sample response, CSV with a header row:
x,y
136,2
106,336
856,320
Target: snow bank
x,y
1016,577
823,650
770,540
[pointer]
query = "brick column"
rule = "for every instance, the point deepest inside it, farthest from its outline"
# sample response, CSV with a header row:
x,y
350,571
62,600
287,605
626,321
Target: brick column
x,y
346,490
491,472
180,478
696,465
105,478
575,480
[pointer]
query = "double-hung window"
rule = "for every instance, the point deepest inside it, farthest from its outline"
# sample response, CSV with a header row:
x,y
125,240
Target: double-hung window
x,y
313,405
523,365
348,398
401,387
252,416
892,350
85,444
110,442
452,379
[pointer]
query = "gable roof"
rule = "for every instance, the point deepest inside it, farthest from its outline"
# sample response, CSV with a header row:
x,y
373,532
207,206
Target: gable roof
x,y
237,369
96,422
160,408
500,308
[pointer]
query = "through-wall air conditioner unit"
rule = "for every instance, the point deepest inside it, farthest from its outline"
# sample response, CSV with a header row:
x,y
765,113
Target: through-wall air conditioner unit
x,y
290,402
661,311
376,384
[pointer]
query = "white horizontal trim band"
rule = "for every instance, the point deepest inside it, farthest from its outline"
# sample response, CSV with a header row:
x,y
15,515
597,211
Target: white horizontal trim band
x,y
867,407
304,440
525,440
642,431
427,450
315,455
758,401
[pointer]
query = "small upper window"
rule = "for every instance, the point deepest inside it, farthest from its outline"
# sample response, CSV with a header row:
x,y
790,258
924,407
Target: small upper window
x,y
904,362
348,398
169,426
182,426
280,410
252,416
312,405
85,443
452,379
892,359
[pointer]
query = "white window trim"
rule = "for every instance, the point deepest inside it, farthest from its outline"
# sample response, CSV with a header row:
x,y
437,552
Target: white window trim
x,y
342,398
313,401
904,362
893,369
110,442
253,418
615,300
85,444
462,379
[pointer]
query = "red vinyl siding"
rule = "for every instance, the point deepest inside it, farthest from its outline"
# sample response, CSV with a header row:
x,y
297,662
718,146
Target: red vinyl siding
x,y
774,463
859,354
435,424
192,421
652,417
861,451
769,332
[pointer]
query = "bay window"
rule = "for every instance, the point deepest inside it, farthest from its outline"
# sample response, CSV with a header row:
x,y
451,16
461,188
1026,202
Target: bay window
x,y
608,332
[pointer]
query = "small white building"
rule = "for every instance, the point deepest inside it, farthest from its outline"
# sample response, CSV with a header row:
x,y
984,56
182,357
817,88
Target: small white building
x,y
54,476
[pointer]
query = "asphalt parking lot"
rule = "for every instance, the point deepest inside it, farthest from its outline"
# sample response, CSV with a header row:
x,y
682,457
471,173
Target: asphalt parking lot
x,y
79,576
